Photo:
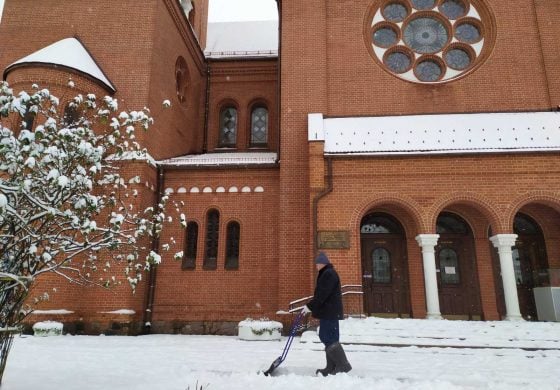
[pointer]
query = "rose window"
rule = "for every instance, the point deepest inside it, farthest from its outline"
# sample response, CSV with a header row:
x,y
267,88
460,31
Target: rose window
x,y
430,41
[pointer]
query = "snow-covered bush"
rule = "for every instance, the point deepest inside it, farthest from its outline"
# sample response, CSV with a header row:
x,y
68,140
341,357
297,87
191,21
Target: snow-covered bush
x,y
263,329
65,206
47,328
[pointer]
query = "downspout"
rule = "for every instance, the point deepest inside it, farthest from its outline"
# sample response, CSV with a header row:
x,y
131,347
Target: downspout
x,y
206,110
278,83
148,310
317,198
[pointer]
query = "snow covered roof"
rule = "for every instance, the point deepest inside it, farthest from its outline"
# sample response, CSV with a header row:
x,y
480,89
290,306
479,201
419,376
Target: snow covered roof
x,y
222,159
242,39
70,53
438,134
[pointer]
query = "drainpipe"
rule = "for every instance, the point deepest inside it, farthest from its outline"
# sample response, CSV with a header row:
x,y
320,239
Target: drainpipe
x,y
317,198
149,306
206,110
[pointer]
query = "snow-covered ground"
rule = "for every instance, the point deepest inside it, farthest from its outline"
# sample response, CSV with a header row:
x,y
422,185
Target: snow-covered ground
x,y
439,355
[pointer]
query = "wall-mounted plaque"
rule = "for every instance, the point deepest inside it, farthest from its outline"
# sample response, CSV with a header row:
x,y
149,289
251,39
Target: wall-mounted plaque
x,y
333,239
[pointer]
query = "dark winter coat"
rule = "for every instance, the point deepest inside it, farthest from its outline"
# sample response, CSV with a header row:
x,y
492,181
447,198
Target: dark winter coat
x,y
326,303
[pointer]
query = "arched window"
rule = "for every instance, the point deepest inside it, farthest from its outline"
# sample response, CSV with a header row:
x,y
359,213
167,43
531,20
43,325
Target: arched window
x,y
71,115
232,246
259,126
228,127
212,235
380,223
189,255
28,120
452,224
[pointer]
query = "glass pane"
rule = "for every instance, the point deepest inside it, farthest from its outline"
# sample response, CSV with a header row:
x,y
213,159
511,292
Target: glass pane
x,y
451,223
425,35
395,12
467,32
423,4
192,238
457,59
380,223
453,9
228,125
517,266
259,125
232,246
385,37
428,71
381,266
449,266
524,225
398,62
212,231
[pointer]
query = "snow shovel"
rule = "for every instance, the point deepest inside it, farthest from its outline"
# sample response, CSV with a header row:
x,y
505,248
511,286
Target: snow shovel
x,y
282,357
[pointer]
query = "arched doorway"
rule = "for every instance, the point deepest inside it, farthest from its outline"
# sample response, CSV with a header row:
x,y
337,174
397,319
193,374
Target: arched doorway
x,y
384,270
530,264
459,293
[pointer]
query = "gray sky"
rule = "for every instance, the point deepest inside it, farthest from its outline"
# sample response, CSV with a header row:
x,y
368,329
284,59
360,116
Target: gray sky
x,y
227,10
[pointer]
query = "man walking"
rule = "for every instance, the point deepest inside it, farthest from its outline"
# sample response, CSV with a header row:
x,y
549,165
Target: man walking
x,y
326,305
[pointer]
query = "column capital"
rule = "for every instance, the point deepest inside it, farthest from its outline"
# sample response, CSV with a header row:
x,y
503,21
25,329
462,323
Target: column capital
x,y
427,239
500,240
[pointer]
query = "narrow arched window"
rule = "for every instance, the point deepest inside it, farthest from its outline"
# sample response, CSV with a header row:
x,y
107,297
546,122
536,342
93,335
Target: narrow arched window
x,y
212,235
232,246
259,126
71,115
189,255
28,120
228,127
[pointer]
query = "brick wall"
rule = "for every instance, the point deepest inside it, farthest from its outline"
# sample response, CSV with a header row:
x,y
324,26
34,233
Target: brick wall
x,y
218,294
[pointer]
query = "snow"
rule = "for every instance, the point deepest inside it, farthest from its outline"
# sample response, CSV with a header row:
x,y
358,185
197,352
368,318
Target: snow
x,y
242,39
438,134
70,53
53,311
259,330
121,311
219,159
170,362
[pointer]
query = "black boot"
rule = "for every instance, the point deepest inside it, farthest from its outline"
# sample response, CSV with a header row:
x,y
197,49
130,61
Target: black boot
x,y
328,369
337,354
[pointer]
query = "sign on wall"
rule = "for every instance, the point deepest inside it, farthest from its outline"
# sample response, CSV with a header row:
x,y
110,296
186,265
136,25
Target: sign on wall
x,y
333,239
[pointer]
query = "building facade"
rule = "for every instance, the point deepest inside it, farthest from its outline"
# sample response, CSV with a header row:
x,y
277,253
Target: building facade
x,y
416,142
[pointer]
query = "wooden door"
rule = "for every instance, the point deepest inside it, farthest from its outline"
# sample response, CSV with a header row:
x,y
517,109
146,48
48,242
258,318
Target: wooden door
x,y
383,274
456,274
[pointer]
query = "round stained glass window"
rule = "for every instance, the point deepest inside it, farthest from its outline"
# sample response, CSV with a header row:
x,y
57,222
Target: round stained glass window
x,y
428,70
385,37
430,41
453,9
457,59
425,35
467,32
395,12
423,4
398,61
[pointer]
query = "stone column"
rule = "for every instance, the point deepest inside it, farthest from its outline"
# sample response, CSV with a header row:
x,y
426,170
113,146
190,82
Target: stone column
x,y
428,243
504,242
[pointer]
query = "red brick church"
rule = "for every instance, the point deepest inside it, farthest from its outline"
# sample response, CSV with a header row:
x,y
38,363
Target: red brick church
x,y
415,142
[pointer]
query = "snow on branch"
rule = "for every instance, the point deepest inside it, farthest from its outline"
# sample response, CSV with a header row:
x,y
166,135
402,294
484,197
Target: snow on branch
x,y
65,206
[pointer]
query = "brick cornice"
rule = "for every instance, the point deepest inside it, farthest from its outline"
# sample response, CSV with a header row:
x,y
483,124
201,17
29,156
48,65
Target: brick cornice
x,y
186,32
